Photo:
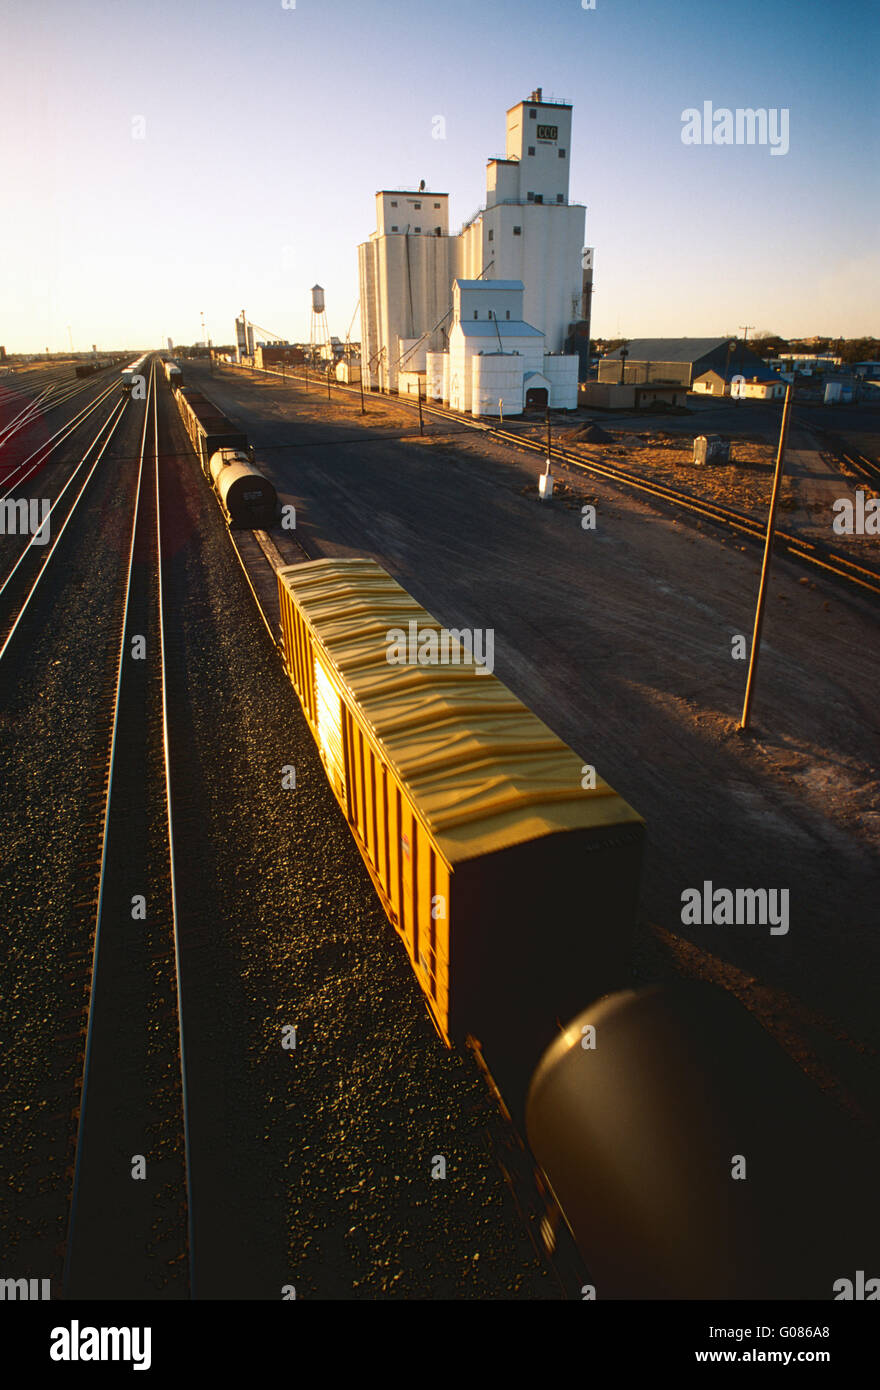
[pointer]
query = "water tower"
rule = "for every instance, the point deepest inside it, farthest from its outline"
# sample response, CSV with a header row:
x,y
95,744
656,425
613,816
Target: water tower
x,y
319,333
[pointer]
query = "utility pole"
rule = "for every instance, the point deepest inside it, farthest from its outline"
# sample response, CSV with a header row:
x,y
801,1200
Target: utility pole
x,y
745,330
726,381
548,435
421,421
361,380
765,568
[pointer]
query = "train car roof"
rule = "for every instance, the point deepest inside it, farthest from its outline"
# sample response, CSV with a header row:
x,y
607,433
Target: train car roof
x,y
482,770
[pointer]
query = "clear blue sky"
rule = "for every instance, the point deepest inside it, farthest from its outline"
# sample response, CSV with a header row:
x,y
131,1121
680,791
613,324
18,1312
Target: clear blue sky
x,y
268,130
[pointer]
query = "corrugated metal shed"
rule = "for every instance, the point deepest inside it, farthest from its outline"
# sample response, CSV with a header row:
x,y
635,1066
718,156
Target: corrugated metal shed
x,y
668,349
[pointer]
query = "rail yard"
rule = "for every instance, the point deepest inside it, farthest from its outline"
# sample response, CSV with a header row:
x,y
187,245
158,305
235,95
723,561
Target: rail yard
x,y
340,984
230,1076
439,760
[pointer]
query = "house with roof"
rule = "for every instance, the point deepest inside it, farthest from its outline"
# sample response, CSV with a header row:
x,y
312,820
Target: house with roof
x,y
762,384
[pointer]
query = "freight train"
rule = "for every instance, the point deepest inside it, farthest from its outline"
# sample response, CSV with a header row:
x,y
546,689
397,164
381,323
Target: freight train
x,y
687,1154
475,821
247,498
90,368
682,1150
173,374
134,369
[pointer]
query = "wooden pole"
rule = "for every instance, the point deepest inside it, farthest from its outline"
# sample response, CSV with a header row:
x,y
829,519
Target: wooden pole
x,y
361,380
765,568
328,383
421,421
548,434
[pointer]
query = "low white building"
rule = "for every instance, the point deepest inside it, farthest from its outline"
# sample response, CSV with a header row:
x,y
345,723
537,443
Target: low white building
x,y
497,364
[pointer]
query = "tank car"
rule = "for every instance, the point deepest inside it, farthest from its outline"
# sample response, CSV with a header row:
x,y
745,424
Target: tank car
x,y
247,498
692,1158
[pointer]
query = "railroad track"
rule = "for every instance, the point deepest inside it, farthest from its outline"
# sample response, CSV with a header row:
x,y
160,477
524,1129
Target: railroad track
x,y
809,552
22,579
829,561
18,473
130,1223
857,462
541,1217
50,397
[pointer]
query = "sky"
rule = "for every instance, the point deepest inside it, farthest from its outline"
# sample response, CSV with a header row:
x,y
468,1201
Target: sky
x,y
166,160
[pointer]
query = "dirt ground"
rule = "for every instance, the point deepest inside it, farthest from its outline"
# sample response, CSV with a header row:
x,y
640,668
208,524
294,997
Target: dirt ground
x,y
810,483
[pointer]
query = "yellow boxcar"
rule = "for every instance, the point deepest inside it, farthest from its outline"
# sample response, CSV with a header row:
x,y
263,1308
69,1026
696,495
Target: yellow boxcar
x,y
512,884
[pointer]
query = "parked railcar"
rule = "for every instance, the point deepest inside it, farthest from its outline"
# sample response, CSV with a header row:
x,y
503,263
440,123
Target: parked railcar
x,y
173,374
208,428
133,370
247,498
512,885
691,1156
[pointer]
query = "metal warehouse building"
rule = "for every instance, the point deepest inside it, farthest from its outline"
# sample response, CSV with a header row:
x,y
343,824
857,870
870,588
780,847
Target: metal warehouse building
x,y
682,362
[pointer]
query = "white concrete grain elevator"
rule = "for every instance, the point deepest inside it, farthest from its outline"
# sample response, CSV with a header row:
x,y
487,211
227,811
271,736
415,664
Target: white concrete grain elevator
x,y
527,231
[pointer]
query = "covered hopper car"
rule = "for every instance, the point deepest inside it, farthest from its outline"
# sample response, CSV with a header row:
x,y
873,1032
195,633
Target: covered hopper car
x,y
511,883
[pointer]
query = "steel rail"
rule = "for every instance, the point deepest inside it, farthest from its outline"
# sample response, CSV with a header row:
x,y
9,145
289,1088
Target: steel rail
x,y
175,913
111,418
102,881
49,445
51,551
42,403
31,404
